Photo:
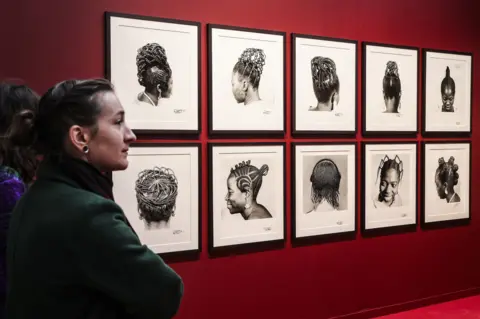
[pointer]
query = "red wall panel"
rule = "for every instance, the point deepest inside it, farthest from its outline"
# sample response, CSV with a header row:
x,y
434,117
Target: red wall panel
x,y
51,40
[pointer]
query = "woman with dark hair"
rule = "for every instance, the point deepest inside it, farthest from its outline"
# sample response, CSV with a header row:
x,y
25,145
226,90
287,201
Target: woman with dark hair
x,y
446,178
390,174
326,84
246,76
18,106
71,251
392,88
325,179
447,89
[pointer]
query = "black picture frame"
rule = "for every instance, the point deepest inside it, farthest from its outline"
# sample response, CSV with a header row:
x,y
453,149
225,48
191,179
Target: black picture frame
x,y
320,133
187,254
232,133
159,132
327,237
249,247
447,133
388,133
451,222
387,230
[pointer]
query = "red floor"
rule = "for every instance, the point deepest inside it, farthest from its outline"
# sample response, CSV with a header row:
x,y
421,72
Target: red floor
x,y
462,309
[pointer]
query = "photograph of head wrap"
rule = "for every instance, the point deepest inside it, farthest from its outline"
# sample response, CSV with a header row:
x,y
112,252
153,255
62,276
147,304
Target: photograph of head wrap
x,y
446,177
325,179
246,76
392,88
156,192
326,84
389,177
447,89
154,74
243,184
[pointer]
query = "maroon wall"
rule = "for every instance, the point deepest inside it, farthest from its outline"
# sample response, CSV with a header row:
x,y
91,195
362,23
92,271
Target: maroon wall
x,y
51,40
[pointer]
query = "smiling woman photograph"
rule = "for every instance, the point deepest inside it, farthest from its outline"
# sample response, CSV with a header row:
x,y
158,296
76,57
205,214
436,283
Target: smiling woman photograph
x,y
70,248
389,176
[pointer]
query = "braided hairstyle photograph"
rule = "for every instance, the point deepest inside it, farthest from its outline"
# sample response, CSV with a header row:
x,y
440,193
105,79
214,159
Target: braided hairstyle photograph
x,y
446,178
390,174
154,72
156,192
447,89
244,183
326,84
325,179
247,73
392,88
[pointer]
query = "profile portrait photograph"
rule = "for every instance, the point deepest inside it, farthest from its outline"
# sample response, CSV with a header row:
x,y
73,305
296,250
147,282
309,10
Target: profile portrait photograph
x,y
324,85
324,186
390,182
154,65
390,90
246,80
447,91
446,180
159,193
247,193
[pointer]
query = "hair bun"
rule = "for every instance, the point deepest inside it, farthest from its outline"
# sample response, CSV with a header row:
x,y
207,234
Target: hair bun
x,y
392,69
447,72
264,169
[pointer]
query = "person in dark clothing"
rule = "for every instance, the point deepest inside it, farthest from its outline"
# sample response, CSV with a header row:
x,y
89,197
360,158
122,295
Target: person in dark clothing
x,y
18,104
71,252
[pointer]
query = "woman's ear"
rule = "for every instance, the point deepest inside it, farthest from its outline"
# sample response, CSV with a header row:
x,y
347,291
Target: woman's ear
x,y
79,137
159,90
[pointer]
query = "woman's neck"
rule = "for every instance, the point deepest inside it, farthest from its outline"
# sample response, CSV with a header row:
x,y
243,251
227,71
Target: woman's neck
x,y
251,97
324,107
150,98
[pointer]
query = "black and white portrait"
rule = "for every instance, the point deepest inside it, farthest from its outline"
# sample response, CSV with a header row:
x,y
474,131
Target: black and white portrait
x,y
159,193
390,182
154,65
246,80
390,78
243,185
156,191
247,193
447,87
324,84
324,188
446,180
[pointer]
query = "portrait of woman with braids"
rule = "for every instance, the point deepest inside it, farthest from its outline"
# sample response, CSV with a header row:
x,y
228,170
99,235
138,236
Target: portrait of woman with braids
x,y
392,88
246,76
325,180
154,74
446,177
243,184
389,177
447,90
326,84
156,192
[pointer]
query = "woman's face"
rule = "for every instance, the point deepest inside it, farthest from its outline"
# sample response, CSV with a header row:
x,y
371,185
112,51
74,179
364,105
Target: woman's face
x,y
108,149
238,87
235,199
447,99
389,185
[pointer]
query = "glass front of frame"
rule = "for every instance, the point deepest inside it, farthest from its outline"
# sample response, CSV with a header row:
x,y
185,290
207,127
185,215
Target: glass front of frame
x,y
390,184
325,85
159,193
447,92
154,65
324,189
247,80
446,181
246,193
390,79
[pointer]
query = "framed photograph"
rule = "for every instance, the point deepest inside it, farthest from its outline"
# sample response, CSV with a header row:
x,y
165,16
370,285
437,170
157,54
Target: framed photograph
x,y
247,193
446,181
389,181
246,81
154,64
447,93
390,89
324,188
324,86
160,195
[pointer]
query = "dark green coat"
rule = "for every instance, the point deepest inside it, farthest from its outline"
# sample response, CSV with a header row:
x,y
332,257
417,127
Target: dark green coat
x,y
71,254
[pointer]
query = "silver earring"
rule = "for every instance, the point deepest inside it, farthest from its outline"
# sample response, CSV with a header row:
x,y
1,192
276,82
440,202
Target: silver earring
x,y
85,149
